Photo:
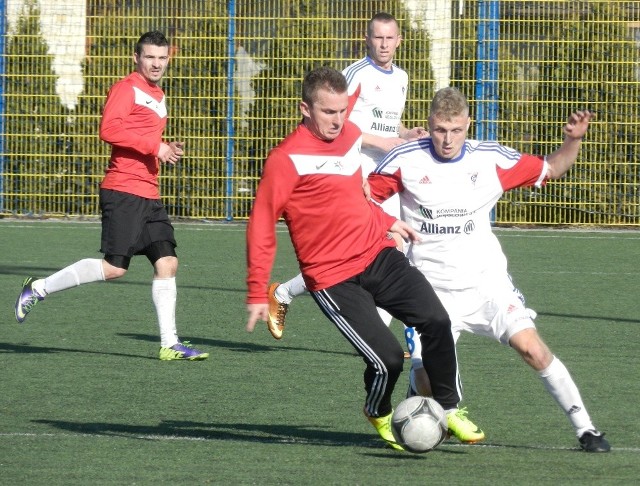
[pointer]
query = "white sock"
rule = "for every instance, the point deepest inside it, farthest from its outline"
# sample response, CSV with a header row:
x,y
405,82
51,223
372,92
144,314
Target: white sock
x,y
164,293
81,272
287,291
560,385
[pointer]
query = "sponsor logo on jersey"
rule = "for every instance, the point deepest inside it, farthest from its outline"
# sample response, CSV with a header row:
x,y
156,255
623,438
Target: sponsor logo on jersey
x,y
344,165
450,213
425,180
474,178
426,213
382,127
442,229
439,229
441,213
143,99
469,226
388,115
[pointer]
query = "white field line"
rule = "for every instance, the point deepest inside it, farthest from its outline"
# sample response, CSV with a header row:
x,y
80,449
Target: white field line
x,y
276,440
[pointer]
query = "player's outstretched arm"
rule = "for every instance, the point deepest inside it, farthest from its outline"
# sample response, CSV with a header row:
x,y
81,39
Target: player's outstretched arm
x,y
562,159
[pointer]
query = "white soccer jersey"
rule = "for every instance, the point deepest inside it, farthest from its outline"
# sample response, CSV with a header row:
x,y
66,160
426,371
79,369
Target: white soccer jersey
x,y
381,96
449,202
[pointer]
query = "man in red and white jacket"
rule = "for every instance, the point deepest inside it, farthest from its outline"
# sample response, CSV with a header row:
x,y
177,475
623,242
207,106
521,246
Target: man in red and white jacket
x,y
350,265
134,220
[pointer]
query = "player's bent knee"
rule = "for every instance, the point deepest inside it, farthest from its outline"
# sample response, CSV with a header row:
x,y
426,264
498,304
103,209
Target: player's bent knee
x,y
437,324
160,249
532,349
116,267
395,363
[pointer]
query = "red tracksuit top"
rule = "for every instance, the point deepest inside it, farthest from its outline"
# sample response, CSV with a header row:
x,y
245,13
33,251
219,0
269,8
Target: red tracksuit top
x,y
316,186
133,120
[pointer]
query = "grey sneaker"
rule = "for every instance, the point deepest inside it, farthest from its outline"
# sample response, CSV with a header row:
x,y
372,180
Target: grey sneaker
x,y
27,300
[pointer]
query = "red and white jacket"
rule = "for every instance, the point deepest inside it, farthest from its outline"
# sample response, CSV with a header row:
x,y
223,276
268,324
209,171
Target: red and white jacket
x,y
316,186
133,120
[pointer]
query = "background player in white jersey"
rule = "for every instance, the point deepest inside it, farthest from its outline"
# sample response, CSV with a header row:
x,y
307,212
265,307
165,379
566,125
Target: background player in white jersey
x,y
448,186
377,93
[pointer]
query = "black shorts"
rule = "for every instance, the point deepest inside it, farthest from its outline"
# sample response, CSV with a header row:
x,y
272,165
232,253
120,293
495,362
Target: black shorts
x,y
393,284
132,223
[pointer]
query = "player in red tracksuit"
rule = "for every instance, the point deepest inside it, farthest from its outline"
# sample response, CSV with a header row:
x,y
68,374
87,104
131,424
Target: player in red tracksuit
x,y
134,220
377,90
314,179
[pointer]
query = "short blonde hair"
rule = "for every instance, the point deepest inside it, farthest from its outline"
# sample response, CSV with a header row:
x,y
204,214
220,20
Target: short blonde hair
x,y
449,103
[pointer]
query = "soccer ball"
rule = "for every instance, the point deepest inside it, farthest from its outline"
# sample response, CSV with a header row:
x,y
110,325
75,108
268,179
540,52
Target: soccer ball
x,y
419,424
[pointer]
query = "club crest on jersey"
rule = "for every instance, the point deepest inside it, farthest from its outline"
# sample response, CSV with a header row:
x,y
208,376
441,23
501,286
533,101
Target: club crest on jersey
x,y
474,178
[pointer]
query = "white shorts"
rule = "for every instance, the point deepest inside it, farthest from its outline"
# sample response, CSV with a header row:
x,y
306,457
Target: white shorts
x,y
495,309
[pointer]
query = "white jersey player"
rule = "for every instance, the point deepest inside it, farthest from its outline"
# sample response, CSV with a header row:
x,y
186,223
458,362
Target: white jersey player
x,y
380,95
377,93
448,186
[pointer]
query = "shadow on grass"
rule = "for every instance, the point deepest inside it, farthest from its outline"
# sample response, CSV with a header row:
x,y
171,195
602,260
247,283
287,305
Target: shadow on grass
x,y
236,346
597,318
25,271
239,432
307,435
28,349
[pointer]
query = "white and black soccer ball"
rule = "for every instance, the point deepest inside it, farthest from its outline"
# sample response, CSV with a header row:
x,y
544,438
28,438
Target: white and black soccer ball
x,y
419,424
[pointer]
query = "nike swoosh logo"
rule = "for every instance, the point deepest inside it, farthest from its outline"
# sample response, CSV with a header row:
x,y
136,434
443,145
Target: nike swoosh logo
x,y
319,166
148,102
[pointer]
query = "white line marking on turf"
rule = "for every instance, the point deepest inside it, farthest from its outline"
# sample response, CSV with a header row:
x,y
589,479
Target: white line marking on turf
x,y
284,440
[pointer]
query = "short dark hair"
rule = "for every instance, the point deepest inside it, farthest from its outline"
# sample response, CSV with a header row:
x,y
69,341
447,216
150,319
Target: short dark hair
x,y
383,17
154,38
322,77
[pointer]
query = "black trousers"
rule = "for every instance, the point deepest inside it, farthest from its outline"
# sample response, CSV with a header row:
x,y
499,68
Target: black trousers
x,y
391,283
